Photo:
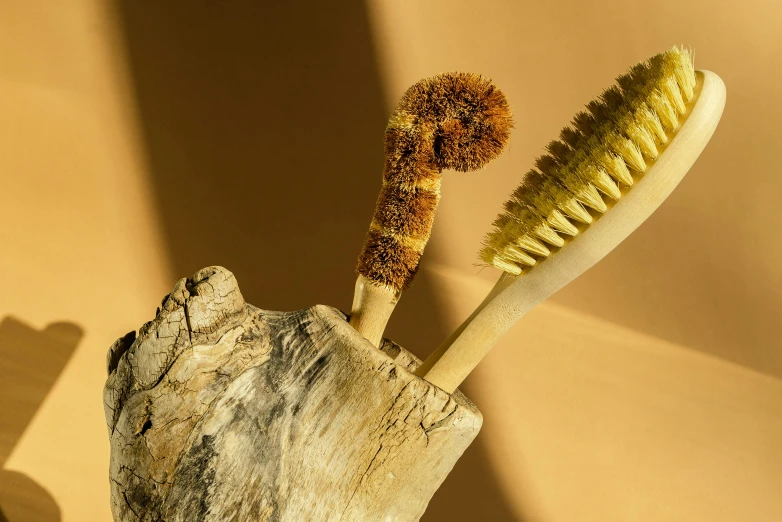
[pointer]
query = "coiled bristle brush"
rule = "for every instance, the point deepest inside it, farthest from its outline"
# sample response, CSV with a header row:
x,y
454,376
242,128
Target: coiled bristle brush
x,y
456,121
610,169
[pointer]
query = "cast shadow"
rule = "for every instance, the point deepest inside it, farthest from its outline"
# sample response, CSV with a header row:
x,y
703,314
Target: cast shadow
x,y
263,127
30,362
471,491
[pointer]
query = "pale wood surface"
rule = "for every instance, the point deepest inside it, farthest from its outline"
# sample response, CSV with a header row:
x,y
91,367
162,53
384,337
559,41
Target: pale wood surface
x,y
219,411
372,308
512,297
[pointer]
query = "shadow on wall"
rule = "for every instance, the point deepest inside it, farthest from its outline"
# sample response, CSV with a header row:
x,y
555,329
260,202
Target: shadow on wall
x,y
30,362
263,127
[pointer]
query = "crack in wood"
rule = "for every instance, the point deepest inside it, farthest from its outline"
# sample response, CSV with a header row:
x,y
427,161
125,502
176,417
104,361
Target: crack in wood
x,y
272,416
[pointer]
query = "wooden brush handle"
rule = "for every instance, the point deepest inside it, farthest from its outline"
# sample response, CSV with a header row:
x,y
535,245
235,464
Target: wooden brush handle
x,y
457,121
513,296
372,307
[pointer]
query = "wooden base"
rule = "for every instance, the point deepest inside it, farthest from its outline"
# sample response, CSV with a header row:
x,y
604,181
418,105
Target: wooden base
x,y
220,411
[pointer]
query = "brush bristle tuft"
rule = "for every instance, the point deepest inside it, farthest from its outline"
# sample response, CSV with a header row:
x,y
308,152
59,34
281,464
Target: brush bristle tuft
x,y
457,121
601,151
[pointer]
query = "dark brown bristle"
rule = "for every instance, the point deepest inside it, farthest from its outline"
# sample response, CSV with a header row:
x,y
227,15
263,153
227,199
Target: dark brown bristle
x,y
406,212
612,97
458,121
398,262
559,151
530,184
570,136
546,164
599,111
584,122
630,80
512,206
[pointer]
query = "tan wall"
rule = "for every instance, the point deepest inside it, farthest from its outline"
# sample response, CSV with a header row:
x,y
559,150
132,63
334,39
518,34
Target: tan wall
x,y
648,389
704,271
79,245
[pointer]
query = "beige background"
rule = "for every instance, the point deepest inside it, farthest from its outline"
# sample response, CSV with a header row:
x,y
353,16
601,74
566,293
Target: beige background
x,y
140,141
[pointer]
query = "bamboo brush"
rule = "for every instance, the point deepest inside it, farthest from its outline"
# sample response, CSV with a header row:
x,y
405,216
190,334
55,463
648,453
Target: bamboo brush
x,y
605,175
456,121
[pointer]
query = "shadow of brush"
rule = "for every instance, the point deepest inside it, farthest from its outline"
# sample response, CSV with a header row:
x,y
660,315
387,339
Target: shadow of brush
x,y
472,490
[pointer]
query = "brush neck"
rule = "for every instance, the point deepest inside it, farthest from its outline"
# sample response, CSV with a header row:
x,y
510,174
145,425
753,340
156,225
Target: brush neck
x,y
458,355
372,307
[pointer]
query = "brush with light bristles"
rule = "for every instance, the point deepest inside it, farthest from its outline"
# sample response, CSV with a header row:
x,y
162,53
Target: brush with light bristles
x,y
458,121
607,173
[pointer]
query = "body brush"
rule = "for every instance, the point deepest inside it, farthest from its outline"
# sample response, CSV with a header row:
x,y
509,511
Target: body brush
x,y
456,121
610,169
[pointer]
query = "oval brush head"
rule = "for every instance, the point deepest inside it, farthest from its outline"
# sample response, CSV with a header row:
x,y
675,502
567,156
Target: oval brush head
x,y
458,121
607,173
596,159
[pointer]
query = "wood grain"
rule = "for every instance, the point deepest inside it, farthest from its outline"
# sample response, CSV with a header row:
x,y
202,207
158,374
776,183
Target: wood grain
x,y
220,411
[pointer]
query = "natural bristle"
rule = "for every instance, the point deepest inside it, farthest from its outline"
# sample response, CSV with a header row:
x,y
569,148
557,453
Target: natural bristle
x,y
458,121
603,149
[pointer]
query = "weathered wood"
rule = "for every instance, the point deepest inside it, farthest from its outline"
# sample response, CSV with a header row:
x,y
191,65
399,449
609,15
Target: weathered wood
x,y
220,411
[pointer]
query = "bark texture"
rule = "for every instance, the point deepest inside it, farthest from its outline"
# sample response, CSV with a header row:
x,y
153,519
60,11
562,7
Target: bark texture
x,y
219,411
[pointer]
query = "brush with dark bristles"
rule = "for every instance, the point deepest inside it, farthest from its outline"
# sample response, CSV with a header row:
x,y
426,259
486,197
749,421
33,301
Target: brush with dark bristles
x,y
607,173
456,121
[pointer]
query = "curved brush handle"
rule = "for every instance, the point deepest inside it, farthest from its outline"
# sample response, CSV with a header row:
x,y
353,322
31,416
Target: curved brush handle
x,y
513,296
457,121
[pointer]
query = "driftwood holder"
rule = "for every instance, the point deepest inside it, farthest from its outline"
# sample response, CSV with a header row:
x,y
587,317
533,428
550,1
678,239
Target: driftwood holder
x,y
220,411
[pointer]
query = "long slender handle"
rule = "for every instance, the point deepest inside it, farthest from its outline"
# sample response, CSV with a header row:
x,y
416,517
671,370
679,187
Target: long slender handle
x,y
513,296
470,342
457,121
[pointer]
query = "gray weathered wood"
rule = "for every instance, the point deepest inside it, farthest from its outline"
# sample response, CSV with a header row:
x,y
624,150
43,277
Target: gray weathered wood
x,y
220,411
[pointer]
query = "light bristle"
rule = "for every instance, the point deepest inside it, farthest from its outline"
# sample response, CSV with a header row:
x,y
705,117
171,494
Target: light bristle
x,y
544,231
532,245
589,196
602,181
559,222
518,256
491,257
660,104
651,122
635,129
674,95
627,150
575,210
613,140
614,166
